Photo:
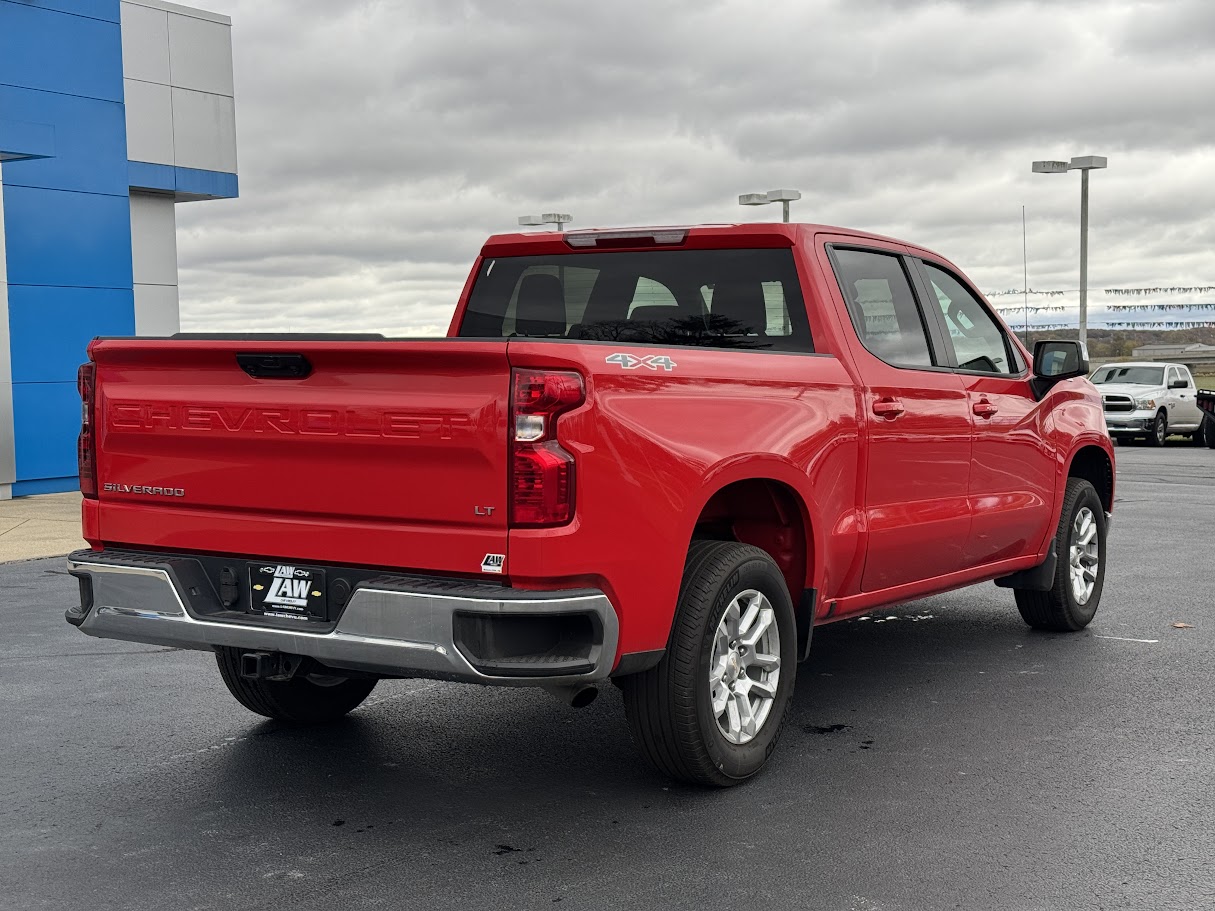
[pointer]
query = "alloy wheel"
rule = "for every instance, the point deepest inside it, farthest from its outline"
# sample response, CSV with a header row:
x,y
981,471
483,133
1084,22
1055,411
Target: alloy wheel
x,y
744,669
1084,555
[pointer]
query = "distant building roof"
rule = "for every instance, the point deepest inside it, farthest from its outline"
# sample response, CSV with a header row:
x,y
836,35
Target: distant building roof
x,y
1172,350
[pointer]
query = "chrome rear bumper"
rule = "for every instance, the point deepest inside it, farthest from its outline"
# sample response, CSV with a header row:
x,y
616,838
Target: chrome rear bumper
x,y
394,628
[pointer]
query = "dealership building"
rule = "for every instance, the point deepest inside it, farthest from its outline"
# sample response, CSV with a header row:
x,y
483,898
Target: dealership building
x,y
111,113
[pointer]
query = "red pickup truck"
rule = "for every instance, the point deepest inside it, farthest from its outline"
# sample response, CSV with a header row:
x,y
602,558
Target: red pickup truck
x,y
658,456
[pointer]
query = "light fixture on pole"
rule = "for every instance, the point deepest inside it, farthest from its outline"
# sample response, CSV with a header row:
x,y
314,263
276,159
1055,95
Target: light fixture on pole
x,y
1083,164
560,219
784,197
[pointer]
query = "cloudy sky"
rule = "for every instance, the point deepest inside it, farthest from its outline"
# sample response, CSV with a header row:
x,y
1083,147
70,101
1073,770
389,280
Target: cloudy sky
x,y
381,141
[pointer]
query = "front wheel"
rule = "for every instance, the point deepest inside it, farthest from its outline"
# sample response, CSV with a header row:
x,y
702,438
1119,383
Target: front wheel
x,y
1079,546
304,699
1160,430
711,711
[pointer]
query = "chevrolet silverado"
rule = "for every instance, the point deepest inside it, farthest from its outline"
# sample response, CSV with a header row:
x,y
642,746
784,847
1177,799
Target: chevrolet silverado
x,y
656,456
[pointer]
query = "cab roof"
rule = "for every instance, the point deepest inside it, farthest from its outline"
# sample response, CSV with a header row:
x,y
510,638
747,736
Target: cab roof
x,y
707,236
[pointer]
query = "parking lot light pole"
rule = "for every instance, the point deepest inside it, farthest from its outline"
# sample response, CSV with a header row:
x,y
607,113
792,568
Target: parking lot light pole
x,y
784,197
1083,164
560,219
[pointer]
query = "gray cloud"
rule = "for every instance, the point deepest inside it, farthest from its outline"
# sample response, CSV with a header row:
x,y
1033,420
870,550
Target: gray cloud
x,y
381,142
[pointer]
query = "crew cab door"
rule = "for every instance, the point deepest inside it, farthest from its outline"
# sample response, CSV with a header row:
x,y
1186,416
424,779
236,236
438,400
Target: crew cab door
x,y
1183,400
917,422
1012,473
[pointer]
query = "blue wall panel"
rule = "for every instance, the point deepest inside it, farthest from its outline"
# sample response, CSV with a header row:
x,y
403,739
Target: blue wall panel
x,y
90,146
50,328
46,421
21,138
184,183
58,52
95,9
206,184
45,485
57,237
144,175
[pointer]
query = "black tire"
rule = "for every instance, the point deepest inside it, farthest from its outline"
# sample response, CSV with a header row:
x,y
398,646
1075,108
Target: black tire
x,y
1206,433
1058,610
299,700
669,707
1160,430
1199,436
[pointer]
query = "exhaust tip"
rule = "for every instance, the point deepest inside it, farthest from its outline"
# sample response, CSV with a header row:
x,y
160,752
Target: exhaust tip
x,y
583,696
578,695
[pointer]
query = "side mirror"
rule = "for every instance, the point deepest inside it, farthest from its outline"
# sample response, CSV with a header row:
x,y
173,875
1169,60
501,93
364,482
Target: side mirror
x,y
1055,361
1179,384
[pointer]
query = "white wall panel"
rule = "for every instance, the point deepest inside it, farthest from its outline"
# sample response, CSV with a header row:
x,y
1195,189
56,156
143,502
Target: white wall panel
x,y
200,55
204,131
149,122
153,239
156,310
145,43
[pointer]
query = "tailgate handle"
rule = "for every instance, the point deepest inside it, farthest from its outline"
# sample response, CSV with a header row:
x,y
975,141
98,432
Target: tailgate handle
x,y
274,366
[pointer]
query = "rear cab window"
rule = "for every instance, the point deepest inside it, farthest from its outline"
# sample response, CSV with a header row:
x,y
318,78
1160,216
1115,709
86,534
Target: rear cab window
x,y
747,299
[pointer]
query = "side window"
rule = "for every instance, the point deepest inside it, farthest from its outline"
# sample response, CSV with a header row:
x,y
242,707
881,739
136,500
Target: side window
x,y
1175,374
978,340
882,306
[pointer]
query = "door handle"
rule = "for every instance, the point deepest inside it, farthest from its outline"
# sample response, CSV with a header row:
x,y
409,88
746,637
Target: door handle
x,y
984,409
888,408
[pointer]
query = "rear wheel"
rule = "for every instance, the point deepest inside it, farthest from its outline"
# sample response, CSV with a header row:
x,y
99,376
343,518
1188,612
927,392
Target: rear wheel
x,y
304,699
1210,425
711,711
1079,545
1160,430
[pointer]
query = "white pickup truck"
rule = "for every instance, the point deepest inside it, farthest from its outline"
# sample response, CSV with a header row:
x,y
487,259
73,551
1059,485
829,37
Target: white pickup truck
x,y
1152,400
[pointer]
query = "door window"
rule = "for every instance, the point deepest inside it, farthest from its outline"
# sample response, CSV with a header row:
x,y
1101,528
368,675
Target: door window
x,y
978,341
883,309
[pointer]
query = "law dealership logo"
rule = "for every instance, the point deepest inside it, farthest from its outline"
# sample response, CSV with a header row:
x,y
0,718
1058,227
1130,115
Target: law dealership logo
x,y
286,588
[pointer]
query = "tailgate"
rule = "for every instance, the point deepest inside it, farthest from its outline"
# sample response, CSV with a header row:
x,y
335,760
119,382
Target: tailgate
x,y
388,453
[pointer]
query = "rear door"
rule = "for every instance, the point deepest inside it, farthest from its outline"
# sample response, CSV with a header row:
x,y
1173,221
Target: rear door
x,y
384,454
917,423
1185,413
1012,478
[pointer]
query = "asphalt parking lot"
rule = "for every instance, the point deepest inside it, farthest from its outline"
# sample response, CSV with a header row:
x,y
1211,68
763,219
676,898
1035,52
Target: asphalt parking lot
x,y
949,758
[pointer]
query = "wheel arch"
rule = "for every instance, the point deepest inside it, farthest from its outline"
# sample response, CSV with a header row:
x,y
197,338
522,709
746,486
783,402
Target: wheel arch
x,y
772,515
1095,465
766,513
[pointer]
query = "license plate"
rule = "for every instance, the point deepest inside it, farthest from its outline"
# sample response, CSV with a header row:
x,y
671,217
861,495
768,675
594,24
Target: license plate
x,y
279,590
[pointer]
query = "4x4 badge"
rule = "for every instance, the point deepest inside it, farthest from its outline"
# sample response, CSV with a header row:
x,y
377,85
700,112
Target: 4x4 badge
x,y
633,361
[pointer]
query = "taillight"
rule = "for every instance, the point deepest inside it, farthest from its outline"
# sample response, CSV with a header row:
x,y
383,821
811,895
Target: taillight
x,y
542,473
86,443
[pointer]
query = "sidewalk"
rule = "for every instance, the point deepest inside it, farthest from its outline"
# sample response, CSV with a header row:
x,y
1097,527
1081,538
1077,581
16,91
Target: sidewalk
x,y
43,526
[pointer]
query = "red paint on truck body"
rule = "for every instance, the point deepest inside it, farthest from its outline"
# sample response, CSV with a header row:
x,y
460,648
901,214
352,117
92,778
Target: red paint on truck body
x,y
395,454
